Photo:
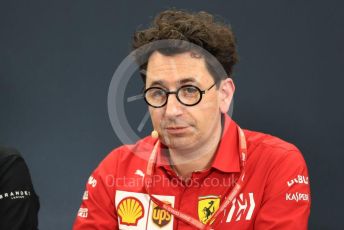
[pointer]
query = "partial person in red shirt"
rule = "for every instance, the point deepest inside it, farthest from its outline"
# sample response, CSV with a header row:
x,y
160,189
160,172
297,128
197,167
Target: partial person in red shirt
x,y
199,169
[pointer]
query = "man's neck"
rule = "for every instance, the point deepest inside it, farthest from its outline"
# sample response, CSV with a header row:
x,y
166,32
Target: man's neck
x,y
185,162
185,168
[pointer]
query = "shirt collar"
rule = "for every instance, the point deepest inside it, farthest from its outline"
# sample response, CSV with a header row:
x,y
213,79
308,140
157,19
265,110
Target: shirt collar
x,y
227,154
162,157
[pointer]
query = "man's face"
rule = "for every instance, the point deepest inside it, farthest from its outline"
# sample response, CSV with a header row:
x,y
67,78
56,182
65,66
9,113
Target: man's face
x,y
180,126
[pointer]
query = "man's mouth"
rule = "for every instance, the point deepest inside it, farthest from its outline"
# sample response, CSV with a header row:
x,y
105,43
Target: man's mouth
x,y
176,129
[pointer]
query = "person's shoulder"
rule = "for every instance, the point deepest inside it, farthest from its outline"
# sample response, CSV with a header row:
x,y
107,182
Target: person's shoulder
x,y
272,148
8,155
255,139
6,152
129,152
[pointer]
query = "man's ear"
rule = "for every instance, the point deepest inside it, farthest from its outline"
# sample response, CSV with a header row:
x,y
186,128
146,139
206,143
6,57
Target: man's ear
x,y
226,92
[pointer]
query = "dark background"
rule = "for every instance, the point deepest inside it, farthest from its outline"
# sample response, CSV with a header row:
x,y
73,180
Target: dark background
x,y
57,59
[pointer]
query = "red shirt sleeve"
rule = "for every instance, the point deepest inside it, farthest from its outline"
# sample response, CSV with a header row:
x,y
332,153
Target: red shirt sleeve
x,y
97,210
286,202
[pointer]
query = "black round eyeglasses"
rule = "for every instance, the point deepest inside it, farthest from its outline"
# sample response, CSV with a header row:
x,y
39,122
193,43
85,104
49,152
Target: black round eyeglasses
x,y
188,95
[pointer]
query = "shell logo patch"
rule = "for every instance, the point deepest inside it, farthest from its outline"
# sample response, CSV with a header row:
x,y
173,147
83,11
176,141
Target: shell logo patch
x,y
160,216
207,206
130,210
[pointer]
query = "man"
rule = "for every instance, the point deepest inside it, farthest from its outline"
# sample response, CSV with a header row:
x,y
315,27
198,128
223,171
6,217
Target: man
x,y
19,203
199,170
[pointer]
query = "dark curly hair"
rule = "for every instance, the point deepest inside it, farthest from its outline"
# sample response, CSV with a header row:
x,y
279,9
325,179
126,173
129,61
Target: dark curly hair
x,y
199,28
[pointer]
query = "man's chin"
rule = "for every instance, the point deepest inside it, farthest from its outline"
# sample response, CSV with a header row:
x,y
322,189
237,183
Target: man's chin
x,y
178,142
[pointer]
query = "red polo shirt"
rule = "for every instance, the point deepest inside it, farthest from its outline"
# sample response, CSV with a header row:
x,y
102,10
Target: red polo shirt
x,y
276,194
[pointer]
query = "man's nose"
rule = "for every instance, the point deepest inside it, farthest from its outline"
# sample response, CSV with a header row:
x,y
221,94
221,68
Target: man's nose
x,y
173,106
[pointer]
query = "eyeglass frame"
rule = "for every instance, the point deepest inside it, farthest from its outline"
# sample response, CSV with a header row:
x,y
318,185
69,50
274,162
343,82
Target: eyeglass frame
x,y
167,93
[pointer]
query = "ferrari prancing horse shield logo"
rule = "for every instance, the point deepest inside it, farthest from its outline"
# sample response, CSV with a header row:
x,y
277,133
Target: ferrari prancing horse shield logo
x,y
207,206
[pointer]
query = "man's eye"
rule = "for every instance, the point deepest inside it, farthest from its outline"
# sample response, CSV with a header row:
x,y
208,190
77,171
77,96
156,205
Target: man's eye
x,y
157,93
189,90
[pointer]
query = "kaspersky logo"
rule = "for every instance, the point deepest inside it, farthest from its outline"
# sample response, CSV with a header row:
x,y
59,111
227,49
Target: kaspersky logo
x,y
207,206
160,216
130,210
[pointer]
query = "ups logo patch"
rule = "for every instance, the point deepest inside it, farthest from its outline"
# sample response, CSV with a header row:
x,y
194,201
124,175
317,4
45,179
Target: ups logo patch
x,y
160,216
